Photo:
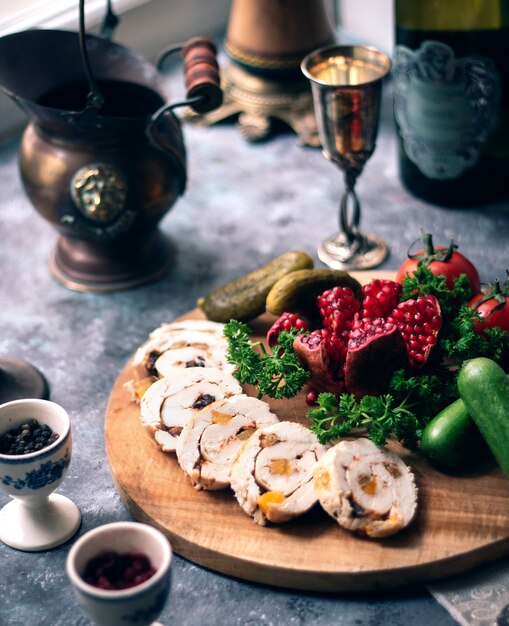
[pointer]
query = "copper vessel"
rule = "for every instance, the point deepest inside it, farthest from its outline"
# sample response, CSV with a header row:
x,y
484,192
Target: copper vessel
x,y
103,156
266,41
270,37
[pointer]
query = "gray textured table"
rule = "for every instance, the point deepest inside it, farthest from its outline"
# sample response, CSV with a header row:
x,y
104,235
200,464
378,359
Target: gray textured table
x,y
245,204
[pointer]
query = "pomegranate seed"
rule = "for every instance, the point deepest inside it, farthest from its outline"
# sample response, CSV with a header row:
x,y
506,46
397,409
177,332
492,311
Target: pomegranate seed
x,y
311,397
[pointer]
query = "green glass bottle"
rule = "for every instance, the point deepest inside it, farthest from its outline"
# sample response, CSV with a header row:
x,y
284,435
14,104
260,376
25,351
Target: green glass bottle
x,y
451,99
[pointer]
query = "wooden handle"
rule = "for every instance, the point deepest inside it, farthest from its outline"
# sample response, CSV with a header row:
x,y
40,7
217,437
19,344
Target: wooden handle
x,y
201,74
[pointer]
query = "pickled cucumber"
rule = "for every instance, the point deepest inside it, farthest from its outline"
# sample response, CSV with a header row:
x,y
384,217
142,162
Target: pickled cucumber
x,y
244,298
297,292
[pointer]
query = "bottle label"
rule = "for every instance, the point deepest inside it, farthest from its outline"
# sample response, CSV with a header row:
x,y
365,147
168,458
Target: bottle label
x,y
445,107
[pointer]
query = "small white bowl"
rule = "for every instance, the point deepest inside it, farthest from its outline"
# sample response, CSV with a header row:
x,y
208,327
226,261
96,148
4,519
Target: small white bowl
x,y
36,520
138,605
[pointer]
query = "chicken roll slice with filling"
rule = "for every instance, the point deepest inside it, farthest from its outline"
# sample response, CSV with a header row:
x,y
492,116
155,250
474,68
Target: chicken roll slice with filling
x,y
205,340
272,476
365,488
211,439
169,403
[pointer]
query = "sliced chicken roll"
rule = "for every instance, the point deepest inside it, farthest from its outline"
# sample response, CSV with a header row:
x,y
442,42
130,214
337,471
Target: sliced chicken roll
x,y
190,343
365,488
272,476
211,439
169,403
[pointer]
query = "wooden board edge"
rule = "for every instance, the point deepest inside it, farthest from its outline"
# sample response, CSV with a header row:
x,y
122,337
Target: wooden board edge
x,y
327,582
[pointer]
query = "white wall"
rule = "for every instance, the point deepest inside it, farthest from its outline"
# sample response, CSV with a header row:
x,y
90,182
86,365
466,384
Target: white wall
x,y
369,21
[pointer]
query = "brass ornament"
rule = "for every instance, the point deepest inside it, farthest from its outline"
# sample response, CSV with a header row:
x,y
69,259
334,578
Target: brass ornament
x,y
256,100
99,191
264,61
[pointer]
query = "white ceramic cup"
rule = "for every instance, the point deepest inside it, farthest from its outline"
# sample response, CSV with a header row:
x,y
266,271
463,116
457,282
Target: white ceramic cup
x,y
37,519
138,605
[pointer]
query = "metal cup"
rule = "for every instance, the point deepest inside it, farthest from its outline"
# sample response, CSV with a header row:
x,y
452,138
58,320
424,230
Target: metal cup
x,y
346,83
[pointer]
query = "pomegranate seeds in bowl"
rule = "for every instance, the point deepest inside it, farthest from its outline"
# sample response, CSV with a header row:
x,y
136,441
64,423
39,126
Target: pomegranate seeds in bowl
x,y
114,571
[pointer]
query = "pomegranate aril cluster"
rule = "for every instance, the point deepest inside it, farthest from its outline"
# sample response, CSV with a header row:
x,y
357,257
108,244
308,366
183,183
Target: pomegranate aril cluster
x,y
29,437
364,329
113,571
338,307
419,322
381,297
286,321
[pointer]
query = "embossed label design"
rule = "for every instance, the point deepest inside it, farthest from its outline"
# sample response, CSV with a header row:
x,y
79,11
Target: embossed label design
x,y
445,107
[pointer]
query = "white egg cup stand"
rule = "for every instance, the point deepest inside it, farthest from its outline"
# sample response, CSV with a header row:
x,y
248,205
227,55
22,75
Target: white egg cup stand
x,y
37,519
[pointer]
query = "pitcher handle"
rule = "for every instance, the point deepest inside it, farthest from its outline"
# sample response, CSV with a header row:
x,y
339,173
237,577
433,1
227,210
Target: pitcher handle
x,y
203,92
110,22
201,75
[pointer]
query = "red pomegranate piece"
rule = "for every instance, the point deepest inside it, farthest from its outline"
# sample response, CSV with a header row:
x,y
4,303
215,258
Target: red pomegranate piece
x,y
338,307
419,321
375,351
381,297
360,347
324,355
286,321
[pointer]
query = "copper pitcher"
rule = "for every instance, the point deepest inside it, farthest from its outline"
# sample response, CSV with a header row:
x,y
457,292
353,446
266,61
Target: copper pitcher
x,y
103,156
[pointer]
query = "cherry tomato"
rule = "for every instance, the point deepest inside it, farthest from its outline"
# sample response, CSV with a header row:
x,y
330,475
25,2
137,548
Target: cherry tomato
x,y
493,307
441,261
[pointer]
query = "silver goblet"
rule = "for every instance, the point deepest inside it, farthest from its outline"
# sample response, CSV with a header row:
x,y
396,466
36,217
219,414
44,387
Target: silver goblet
x,y
346,82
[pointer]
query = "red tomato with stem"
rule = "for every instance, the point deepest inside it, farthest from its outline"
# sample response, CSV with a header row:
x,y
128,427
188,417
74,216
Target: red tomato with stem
x,y
492,306
441,261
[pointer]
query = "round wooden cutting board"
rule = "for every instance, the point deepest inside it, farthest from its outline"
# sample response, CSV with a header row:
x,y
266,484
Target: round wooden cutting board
x,y
462,520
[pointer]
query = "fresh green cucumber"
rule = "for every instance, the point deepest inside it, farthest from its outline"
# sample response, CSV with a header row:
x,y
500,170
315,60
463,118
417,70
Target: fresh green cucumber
x,y
244,298
484,388
452,440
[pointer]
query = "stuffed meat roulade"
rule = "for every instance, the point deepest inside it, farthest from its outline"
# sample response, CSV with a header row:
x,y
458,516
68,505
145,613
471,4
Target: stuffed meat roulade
x,y
169,403
272,476
211,439
190,343
365,488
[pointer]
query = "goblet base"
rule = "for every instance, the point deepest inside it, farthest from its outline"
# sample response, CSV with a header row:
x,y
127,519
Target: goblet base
x,y
363,252
31,529
20,379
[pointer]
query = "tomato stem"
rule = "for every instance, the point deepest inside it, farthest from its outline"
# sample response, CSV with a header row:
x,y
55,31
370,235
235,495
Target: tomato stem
x,y
430,253
496,292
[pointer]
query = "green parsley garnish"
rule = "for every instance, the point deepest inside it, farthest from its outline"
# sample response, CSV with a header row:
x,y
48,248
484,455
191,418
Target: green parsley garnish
x,y
276,373
380,417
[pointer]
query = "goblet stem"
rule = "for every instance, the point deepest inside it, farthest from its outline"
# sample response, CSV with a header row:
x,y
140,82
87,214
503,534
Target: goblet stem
x,y
349,226
350,249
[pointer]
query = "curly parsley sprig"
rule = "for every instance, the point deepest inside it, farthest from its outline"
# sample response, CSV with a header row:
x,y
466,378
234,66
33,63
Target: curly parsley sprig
x,y
380,416
276,373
